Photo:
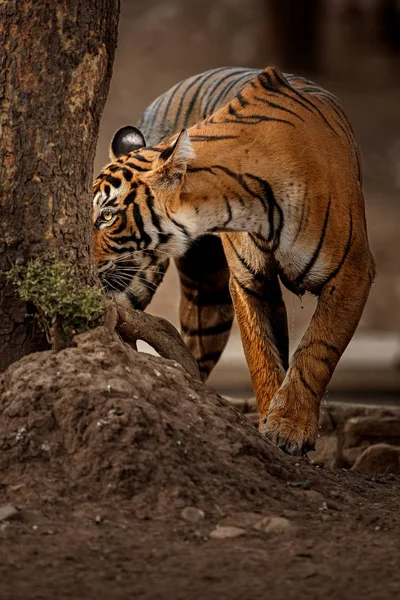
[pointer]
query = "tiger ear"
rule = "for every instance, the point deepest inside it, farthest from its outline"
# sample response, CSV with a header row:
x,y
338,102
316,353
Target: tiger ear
x,y
127,139
171,165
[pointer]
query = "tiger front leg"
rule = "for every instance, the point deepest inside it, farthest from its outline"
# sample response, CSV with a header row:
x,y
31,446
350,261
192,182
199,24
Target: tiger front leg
x,y
206,311
261,314
291,422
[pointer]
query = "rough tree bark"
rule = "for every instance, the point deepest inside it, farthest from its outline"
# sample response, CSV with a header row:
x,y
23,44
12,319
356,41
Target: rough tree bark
x,y
56,62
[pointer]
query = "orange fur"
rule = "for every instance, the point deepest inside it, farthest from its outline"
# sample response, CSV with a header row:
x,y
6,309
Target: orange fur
x,y
277,174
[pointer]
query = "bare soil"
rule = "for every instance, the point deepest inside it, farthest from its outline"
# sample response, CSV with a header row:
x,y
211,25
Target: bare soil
x,y
101,450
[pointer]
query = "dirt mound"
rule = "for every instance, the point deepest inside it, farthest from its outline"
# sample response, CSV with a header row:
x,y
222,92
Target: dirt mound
x,y
100,419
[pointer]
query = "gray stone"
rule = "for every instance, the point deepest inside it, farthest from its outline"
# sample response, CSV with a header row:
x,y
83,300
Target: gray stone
x,y
8,512
380,459
371,429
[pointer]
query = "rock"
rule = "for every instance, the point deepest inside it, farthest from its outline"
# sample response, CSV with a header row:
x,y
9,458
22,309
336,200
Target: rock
x,y
192,514
350,455
274,525
8,512
222,533
371,430
326,451
341,412
380,459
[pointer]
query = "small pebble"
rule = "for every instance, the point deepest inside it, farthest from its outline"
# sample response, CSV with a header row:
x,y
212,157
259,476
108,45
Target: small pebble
x,y
8,512
192,514
222,533
273,525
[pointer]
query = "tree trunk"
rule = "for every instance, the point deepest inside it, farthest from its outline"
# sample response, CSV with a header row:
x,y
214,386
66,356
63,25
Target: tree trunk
x,y
56,61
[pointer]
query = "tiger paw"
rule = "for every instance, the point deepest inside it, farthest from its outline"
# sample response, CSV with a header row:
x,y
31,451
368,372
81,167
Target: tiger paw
x,y
294,434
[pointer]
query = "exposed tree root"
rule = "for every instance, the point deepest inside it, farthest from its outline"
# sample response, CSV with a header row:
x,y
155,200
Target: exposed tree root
x,y
133,325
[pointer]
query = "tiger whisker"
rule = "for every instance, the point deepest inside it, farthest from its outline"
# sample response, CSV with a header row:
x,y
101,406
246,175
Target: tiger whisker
x,y
135,252
111,285
132,269
125,280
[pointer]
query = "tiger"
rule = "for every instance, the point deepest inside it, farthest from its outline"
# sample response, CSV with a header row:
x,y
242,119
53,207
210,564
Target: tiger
x,y
275,172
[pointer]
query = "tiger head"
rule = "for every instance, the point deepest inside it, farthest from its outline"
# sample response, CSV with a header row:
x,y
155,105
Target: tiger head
x,y
134,229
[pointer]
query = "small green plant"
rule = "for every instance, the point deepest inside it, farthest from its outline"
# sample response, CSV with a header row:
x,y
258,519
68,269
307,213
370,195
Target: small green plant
x,y
63,305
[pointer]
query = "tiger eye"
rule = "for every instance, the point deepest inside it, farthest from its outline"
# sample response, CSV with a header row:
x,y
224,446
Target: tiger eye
x,y
107,216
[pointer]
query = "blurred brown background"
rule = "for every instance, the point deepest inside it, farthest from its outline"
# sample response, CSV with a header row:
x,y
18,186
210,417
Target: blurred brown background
x,y
352,47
